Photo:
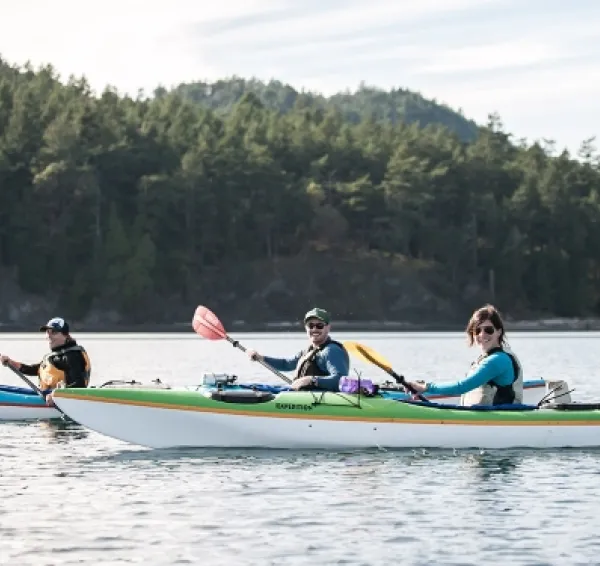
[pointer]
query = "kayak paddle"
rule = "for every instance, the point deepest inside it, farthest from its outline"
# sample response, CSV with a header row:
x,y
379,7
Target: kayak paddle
x,y
365,353
207,325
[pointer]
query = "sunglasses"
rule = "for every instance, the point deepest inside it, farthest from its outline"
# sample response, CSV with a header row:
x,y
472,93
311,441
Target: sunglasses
x,y
486,329
319,325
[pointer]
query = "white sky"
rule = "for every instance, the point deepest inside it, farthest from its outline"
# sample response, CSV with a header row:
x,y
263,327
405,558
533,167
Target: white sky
x,y
535,62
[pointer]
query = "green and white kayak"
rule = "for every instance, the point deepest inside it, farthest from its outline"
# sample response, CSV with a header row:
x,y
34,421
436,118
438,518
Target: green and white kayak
x,y
24,404
171,418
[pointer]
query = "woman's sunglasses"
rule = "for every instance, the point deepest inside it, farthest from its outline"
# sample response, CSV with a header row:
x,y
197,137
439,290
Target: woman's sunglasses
x,y
486,329
319,325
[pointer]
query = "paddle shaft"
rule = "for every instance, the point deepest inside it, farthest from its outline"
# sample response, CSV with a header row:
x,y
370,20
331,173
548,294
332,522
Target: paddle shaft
x,y
208,321
399,378
26,380
236,344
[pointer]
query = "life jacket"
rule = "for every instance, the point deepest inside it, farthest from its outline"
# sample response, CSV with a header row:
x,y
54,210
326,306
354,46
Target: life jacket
x,y
491,393
307,364
51,377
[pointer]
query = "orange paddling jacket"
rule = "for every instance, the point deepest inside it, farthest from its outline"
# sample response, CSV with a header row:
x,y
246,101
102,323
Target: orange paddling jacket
x,y
67,365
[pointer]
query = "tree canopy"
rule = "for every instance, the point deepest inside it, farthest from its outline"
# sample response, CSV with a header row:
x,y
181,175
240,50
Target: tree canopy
x,y
262,200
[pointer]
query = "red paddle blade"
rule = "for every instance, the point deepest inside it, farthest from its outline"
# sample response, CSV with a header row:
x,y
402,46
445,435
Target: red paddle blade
x,y
207,325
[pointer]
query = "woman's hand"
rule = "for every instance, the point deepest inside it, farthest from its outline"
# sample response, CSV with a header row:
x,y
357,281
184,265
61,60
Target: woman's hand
x,y
418,386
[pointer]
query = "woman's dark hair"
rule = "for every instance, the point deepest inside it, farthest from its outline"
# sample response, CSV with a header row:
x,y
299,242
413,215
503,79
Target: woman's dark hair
x,y
485,313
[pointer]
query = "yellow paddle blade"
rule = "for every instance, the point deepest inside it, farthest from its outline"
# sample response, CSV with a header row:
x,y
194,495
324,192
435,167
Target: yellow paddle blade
x,y
365,353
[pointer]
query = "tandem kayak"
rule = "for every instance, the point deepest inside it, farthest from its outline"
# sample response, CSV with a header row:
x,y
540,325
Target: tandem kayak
x,y
22,403
172,418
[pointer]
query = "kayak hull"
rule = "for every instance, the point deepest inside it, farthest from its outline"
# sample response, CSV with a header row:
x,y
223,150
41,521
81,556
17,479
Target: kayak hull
x,y
21,404
305,420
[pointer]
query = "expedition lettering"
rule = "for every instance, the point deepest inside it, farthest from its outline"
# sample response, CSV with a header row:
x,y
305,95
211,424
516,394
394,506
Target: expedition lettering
x,y
293,406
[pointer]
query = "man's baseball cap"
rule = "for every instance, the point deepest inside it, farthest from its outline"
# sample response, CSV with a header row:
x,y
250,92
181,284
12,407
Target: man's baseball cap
x,y
58,324
321,314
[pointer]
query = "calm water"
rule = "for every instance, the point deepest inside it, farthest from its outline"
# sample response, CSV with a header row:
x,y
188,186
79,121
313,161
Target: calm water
x,y
71,496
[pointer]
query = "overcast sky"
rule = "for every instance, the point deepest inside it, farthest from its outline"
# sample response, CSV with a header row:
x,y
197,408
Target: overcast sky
x,y
535,62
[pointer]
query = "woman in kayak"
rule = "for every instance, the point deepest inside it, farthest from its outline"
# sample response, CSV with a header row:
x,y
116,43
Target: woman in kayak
x,y
496,377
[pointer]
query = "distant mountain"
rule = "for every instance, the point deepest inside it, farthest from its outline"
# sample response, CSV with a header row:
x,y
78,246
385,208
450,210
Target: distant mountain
x,y
396,105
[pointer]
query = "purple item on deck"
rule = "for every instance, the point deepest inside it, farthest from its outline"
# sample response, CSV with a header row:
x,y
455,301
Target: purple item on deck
x,y
351,385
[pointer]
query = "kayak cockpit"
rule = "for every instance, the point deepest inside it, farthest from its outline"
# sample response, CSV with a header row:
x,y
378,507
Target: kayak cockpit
x,y
454,407
240,396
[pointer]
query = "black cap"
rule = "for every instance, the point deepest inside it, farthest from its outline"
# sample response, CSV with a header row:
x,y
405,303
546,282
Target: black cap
x,y
58,324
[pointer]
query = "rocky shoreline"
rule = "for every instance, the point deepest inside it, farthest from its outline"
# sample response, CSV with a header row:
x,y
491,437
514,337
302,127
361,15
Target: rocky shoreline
x,y
540,325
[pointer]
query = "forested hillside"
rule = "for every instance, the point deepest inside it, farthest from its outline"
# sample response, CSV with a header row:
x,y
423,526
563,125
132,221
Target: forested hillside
x,y
394,106
115,209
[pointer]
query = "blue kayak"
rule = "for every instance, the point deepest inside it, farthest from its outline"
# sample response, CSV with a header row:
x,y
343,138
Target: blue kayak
x,y
22,403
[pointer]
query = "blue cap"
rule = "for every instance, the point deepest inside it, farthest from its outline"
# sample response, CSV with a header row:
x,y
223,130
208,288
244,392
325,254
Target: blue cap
x,y
58,324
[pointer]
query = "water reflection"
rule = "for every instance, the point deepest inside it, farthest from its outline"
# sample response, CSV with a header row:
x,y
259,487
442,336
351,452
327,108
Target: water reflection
x,y
227,454
62,431
488,465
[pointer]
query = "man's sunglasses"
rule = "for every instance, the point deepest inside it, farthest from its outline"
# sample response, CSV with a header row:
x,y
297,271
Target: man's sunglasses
x,y
486,329
319,325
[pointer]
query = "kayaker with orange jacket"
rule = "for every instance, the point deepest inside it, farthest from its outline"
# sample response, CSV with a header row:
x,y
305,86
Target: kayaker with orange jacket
x,y
66,365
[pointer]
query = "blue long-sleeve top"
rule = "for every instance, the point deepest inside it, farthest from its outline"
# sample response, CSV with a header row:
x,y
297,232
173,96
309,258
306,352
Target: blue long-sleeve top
x,y
498,366
331,359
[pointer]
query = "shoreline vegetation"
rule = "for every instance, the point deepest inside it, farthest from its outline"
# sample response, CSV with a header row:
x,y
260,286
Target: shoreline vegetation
x,y
393,212
539,325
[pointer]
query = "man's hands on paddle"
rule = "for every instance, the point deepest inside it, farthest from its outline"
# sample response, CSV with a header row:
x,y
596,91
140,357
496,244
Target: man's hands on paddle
x,y
296,384
5,360
254,355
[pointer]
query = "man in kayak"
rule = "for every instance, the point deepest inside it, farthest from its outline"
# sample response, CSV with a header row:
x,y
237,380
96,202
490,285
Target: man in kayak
x,y
67,364
496,377
322,364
